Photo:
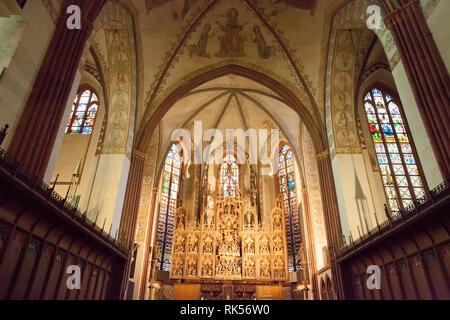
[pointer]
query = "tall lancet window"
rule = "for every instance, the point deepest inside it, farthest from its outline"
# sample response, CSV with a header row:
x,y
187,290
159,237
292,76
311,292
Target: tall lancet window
x,y
229,177
399,169
168,205
83,114
286,180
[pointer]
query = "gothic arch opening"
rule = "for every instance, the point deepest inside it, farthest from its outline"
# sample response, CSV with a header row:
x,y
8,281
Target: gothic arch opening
x,y
231,97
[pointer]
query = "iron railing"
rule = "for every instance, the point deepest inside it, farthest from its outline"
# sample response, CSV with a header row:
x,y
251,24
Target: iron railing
x,y
404,215
15,169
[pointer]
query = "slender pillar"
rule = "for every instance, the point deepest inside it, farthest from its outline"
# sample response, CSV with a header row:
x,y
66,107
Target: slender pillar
x,y
130,211
311,244
38,126
131,202
148,249
427,75
331,215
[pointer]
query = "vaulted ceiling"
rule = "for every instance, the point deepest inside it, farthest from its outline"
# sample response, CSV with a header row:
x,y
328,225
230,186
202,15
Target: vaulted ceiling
x,y
231,102
183,38
177,40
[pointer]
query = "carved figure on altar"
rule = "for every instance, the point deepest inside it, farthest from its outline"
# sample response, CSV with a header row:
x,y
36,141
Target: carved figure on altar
x,y
208,244
209,218
191,266
249,245
207,267
180,215
249,218
249,267
264,245
277,219
177,268
179,243
192,245
277,245
278,267
265,267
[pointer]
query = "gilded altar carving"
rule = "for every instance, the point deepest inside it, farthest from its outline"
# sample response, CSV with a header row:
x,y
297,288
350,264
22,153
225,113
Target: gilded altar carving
x,y
229,243
177,266
179,243
191,266
192,244
180,215
208,246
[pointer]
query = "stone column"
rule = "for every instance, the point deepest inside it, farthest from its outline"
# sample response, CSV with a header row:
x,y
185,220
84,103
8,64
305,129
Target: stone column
x,y
427,75
311,245
148,249
38,126
331,215
130,211
132,198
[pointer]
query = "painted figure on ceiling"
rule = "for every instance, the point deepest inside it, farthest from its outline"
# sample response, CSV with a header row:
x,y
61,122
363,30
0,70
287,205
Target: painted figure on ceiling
x,y
264,50
231,43
202,45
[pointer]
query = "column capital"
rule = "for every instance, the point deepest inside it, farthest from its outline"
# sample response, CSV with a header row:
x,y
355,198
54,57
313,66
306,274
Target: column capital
x,y
138,154
323,155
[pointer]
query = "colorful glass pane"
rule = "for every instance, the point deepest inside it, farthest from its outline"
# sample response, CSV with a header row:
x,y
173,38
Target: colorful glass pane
x,y
395,159
412,170
399,170
406,148
229,176
420,193
168,206
288,189
393,150
379,148
84,110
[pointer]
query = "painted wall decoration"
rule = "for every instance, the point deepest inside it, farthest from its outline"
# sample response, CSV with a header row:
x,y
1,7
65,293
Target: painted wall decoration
x,y
344,139
200,49
315,198
232,41
265,51
231,32
120,89
343,91
115,46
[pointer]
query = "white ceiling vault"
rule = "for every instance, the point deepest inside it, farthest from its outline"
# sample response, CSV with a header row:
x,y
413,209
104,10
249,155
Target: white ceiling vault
x,y
231,102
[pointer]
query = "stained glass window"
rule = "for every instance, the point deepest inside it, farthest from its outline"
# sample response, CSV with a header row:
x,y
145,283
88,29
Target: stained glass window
x,y
402,180
229,176
168,205
83,113
286,179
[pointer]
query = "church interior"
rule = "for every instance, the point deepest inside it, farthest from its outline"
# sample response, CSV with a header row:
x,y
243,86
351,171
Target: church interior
x,y
113,159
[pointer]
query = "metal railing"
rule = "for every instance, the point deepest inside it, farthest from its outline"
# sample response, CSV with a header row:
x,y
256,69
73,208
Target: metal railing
x,y
404,215
15,169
